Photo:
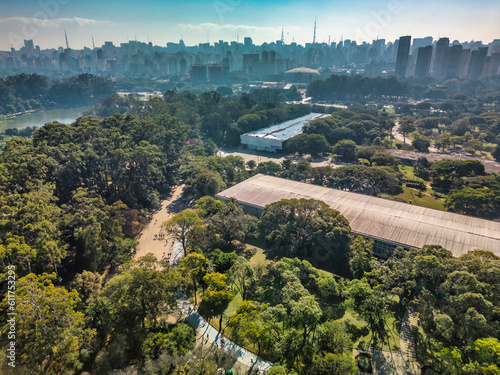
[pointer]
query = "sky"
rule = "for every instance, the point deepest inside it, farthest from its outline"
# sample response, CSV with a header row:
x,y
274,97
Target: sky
x,y
162,21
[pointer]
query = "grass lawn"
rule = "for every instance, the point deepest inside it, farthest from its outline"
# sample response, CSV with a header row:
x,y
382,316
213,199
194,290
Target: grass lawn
x,y
359,333
424,201
259,258
409,173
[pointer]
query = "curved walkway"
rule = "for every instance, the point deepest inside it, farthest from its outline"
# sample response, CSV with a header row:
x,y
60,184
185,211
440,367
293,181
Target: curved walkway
x,y
214,338
209,333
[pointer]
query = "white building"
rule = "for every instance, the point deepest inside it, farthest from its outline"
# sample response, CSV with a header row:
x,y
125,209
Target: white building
x,y
273,138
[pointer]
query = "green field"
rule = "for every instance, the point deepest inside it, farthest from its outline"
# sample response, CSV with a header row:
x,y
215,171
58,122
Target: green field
x,y
408,172
425,200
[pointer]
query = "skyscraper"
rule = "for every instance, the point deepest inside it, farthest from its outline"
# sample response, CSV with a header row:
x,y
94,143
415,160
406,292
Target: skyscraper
x,y
452,60
402,56
248,42
438,63
477,62
424,57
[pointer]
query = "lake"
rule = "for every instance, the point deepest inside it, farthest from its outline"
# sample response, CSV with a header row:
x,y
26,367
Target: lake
x,y
37,119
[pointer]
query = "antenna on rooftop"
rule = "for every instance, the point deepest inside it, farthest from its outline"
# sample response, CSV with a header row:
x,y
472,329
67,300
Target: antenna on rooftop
x,y
282,35
93,44
314,37
66,37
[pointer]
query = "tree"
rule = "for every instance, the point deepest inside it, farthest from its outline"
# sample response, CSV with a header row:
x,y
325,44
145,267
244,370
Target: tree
x,y
313,144
88,285
298,144
50,333
280,370
228,225
383,158
207,206
179,341
30,231
249,325
478,202
95,231
407,126
420,143
306,314
251,164
332,338
217,294
193,267
181,226
269,167
139,296
304,227
346,149
361,257
496,153
242,276
372,306
367,153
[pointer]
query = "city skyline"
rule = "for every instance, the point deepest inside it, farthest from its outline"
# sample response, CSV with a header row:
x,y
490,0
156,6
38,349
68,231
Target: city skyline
x,y
197,22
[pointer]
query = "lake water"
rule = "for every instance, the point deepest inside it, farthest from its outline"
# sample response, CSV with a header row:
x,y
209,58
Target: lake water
x,y
37,119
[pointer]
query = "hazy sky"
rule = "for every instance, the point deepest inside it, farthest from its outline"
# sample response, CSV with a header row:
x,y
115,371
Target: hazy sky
x,y
162,21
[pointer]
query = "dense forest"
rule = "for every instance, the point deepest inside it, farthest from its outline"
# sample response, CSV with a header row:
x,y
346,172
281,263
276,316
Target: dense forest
x,y
25,92
73,198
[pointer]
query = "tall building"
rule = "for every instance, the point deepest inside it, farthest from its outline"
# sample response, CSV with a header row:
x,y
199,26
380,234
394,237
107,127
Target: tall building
x,y
452,60
248,42
477,60
491,65
216,73
420,42
198,72
438,62
463,66
250,61
402,56
424,57
29,47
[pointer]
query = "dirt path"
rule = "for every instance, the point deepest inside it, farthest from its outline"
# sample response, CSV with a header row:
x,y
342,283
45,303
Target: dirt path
x,y
399,136
148,238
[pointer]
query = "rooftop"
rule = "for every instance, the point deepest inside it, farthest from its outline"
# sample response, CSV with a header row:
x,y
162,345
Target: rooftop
x,y
285,130
378,218
303,71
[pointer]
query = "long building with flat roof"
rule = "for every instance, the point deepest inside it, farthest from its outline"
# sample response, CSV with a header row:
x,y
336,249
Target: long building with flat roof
x,y
273,137
389,223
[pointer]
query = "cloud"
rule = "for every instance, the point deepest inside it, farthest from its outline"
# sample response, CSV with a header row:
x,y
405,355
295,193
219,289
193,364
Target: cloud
x,y
55,22
229,27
